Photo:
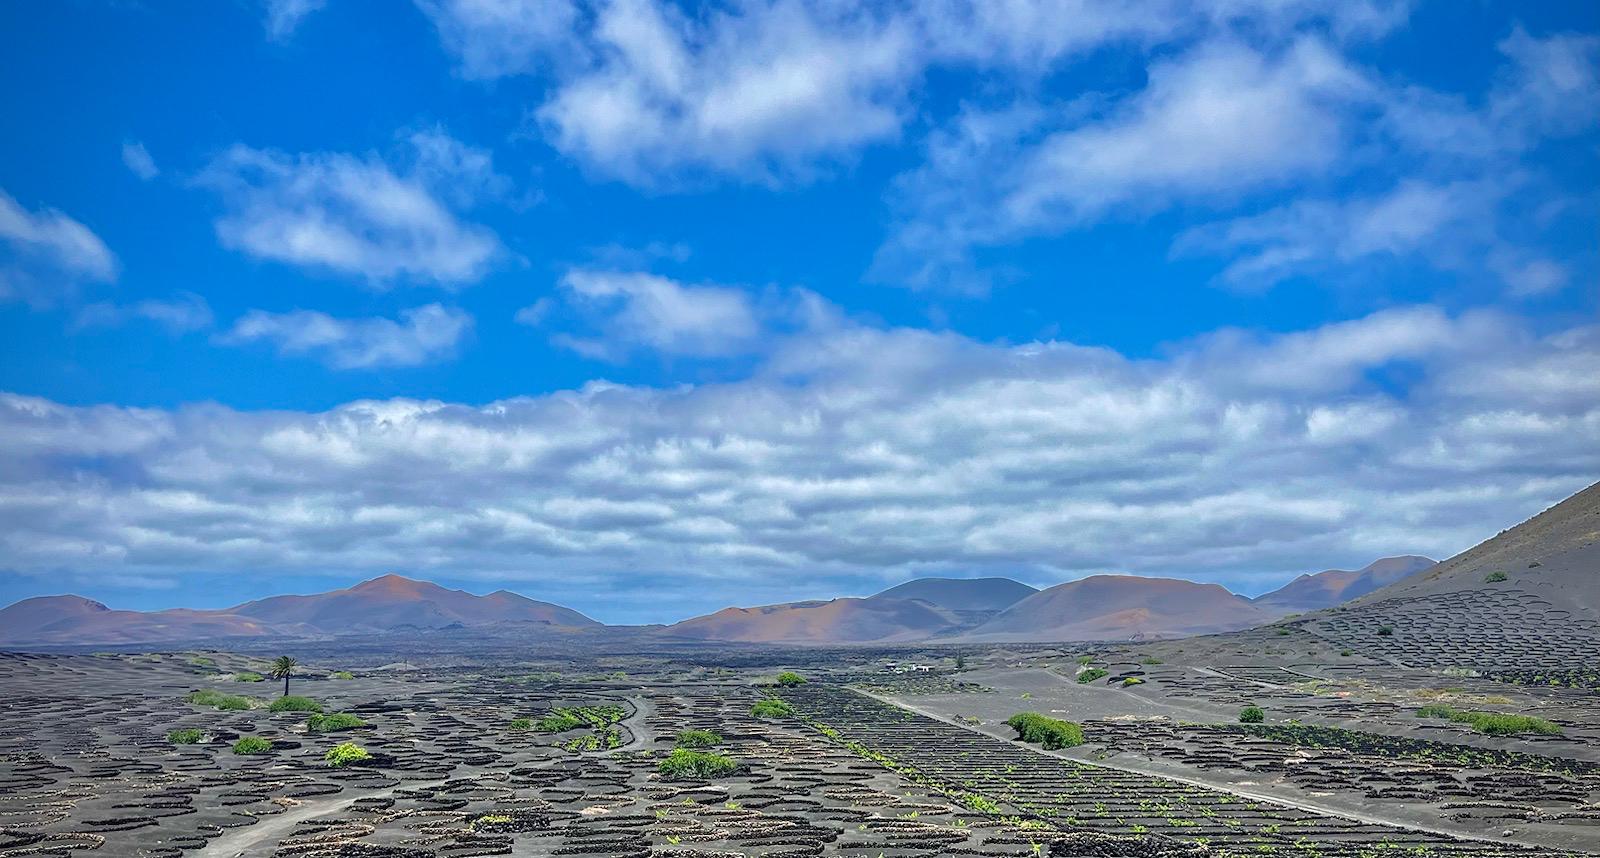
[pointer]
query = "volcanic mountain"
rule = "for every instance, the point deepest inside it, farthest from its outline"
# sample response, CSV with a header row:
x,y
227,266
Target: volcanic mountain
x,y
1313,592
1122,607
916,610
382,604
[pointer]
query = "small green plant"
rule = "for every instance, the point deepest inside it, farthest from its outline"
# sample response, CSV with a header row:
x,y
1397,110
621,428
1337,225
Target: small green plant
x,y
789,679
520,725
341,674
1150,659
252,745
771,707
1496,577
345,753
189,736
1347,652
292,703
248,676
698,739
1092,674
1252,715
1386,631
1132,680
330,723
1050,733
218,700
559,721
684,764
1493,723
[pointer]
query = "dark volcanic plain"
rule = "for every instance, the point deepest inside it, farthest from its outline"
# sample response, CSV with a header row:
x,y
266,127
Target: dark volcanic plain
x,y
892,751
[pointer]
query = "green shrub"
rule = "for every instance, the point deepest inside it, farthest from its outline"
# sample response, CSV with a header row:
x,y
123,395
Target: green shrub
x,y
218,700
252,745
520,725
1252,715
345,753
189,736
292,703
1496,577
789,679
330,723
1050,733
1386,631
559,721
771,707
341,674
1492,723
248,676
684,764
698,738
1132,680
1092,674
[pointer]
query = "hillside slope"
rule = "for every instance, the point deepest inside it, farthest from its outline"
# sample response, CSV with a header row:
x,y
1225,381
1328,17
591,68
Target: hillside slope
x,y
1312,592
962,594
1122,607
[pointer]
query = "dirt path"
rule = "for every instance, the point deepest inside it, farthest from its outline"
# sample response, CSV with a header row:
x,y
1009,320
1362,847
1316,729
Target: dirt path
x,y
262,838
635,725
1276,795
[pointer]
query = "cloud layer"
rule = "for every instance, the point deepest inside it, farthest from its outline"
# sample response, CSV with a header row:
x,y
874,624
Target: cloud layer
x,y
857,453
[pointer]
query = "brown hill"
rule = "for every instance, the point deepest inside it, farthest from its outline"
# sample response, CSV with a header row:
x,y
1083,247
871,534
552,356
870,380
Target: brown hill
x,y
836,621
1325,589
74,620
393,601
962,594
382,604
1122,607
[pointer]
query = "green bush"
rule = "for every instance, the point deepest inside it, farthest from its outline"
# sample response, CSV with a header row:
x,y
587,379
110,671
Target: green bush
x,y
698,738
218,700
292,703
559,721
345,753
1386,631
1496,577
1132,680
684,764
189,736
1492,723
1050,733
771,707
248,676
789,679
252,745
330,723
520,725
1092,674
1252,715
341,674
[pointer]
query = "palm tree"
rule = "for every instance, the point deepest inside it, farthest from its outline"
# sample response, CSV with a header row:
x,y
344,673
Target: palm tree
x,y
282,666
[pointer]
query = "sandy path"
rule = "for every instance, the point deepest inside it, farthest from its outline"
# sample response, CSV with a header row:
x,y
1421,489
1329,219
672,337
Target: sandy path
x,y
262,838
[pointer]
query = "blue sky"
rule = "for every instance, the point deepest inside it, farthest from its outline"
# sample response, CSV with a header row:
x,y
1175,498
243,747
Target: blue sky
x,y
651,308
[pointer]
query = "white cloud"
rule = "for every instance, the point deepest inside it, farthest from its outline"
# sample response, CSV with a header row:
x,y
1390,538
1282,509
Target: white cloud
x,y
860,453
422,335
184,313
137,159
496,38
359,215
640,310
46,255
284,16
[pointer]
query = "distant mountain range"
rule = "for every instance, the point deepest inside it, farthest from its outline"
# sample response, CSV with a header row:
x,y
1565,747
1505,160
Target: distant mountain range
x,y
1102,607
383,604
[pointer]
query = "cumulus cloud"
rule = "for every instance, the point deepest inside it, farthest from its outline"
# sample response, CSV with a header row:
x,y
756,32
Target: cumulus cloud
x,y
860,454
181,314
421,335
497,38
138,161
637,310
361,215
46,255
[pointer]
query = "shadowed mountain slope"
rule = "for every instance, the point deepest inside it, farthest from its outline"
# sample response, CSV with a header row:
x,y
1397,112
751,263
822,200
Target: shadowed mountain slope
x,y
839,620
1312,592
962,594
1122,607
74,619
